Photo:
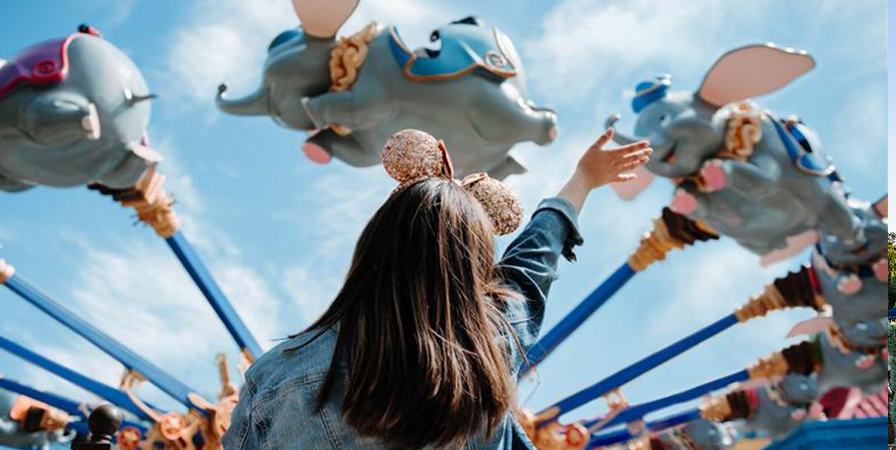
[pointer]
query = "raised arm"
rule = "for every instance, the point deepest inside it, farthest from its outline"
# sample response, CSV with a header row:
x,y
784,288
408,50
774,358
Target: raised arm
x,y
529,264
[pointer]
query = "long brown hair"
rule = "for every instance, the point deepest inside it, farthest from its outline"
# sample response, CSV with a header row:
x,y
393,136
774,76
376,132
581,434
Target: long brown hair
x,y
419,323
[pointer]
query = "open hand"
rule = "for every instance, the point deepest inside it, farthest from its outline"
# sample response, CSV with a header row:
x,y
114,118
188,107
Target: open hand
x,y
598,166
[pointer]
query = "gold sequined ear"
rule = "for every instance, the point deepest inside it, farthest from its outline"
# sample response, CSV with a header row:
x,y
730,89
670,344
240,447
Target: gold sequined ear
x,y
412,155
498,201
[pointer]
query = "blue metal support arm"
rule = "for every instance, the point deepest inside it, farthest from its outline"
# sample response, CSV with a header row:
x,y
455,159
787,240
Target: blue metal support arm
x,y
109,393
616,437
214,295
641,367
57,401
577,317
637,412
104,342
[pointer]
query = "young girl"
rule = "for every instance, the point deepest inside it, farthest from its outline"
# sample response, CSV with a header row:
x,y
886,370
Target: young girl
x,y
420,348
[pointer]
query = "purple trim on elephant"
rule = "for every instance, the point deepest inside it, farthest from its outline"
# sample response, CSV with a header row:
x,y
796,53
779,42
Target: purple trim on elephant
x,y
42,64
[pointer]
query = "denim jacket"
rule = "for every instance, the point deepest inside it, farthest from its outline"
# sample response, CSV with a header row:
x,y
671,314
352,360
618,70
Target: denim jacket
x,y
276,409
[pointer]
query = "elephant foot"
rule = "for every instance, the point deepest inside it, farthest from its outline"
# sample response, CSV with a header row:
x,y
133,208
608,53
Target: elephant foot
x,y
882,270
316,153
713,175
849,285
865,362
816,411
683,202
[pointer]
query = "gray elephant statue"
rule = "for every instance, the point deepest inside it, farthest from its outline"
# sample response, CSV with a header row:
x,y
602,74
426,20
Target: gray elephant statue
x,y
73,111
853,276
351,94
700,434
842,366
13,433
783,406
746,173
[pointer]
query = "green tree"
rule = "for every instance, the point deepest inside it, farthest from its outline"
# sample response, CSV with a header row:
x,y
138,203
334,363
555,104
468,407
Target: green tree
x,y
891,355
891,258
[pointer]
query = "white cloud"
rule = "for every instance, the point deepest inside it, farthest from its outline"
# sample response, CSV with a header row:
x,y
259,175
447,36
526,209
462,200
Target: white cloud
x,y
224,42
153,296
860,136
311,290
342,200
716,278
254,301
189,205
117,11
582,44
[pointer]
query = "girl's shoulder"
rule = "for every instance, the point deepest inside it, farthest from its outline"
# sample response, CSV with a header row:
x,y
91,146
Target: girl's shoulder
x,y
305,356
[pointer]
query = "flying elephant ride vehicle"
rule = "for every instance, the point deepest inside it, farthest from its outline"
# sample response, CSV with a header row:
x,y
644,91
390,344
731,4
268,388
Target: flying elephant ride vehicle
x,y
352,93
74,112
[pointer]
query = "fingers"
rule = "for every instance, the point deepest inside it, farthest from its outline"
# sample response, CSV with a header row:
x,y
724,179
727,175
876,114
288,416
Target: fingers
x,y
631,165
631,160
603,139
630,148
637,154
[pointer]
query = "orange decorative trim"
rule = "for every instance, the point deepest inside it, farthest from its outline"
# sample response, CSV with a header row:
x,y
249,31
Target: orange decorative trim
x,y
759,305
769,367
716,408
616,402
152,204
128,438
640,443
348,56
6,271
554,435
654,246
791,291
346,60
131,380
744,131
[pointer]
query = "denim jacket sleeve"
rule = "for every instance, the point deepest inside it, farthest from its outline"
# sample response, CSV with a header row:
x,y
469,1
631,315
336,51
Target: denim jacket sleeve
x,y
529,264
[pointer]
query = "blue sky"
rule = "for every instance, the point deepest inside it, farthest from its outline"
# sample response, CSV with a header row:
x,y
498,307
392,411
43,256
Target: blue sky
x,y
277,231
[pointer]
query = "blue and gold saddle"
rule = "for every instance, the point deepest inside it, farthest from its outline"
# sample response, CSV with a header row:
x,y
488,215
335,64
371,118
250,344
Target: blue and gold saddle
x,y
466,46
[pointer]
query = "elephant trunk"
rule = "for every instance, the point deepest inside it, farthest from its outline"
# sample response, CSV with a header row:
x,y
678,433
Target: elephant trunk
x,y
255,104
618,137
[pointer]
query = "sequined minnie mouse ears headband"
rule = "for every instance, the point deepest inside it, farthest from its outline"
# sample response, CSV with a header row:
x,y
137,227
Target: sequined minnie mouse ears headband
x,y
411,156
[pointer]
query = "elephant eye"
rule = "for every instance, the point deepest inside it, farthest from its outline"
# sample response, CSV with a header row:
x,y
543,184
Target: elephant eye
x,y
433,50
664,119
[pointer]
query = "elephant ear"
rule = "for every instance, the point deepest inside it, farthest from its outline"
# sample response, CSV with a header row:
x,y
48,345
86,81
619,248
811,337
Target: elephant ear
x,y
322,18
752,71
881,206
